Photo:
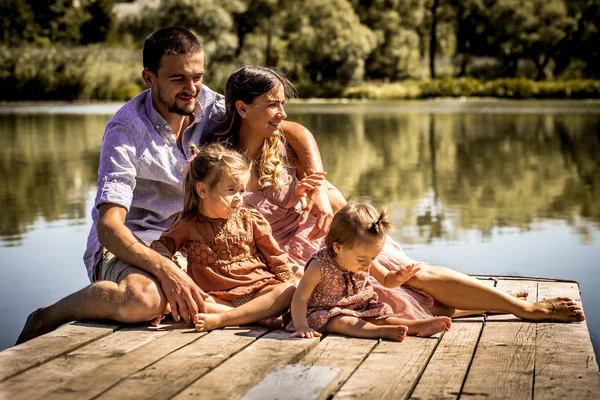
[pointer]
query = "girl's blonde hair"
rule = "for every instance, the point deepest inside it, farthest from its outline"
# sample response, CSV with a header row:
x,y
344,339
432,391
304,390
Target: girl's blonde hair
x,y
209,164
246,84
357,223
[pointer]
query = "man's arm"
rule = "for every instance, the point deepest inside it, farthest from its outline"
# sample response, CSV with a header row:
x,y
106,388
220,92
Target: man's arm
x,y
183,295
305,146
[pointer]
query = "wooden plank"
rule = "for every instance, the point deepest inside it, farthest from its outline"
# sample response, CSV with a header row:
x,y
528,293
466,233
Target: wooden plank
x,y
98,380
446,371
342,353
294,382
390,371
36,383
49,346
248,367
503,363
514,285
566,366
179,369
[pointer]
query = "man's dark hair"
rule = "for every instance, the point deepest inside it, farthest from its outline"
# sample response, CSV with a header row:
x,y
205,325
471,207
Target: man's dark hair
x,y
168,41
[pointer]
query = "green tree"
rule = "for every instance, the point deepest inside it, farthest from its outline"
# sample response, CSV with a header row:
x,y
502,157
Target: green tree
x,y
59,20
327,43
394,23
100,23
17,23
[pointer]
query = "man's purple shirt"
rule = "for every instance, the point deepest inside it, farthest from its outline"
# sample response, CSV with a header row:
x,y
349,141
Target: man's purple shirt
x,y
141,167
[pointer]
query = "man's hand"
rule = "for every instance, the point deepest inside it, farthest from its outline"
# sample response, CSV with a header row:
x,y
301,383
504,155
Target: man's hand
x,y
319,205
185,298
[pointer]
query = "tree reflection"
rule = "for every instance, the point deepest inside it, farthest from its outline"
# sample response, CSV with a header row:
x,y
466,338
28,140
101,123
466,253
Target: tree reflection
x,y
48,163
440,174
443,173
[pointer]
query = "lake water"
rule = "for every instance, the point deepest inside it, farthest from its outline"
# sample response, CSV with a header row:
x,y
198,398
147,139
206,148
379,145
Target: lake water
x,y
491,187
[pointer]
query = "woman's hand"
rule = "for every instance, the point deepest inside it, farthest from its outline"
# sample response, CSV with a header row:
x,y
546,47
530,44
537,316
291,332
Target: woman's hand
x,y
307,333
309,184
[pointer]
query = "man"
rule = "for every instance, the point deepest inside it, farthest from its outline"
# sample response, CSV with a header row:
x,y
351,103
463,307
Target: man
x,y
140,192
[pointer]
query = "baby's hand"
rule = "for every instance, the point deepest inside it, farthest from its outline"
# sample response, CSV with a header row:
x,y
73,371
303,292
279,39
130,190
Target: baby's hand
x,y
404,274
307,333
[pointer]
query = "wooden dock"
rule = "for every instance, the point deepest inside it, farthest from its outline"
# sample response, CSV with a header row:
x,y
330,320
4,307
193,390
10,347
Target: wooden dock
x,y
496,356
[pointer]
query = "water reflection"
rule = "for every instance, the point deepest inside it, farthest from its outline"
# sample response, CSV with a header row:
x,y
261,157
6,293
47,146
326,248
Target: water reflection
x,y
440,173
47,165
446,172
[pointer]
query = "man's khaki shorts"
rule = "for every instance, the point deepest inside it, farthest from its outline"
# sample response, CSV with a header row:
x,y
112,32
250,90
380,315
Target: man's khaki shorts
x,y
109,268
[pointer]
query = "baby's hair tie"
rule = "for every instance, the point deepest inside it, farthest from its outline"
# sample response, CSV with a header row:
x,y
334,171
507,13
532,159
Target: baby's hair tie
x,y
189,160
220,157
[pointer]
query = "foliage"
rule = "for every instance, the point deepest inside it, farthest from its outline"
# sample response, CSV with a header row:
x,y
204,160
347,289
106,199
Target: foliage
x,y
324,46
470,87
62,73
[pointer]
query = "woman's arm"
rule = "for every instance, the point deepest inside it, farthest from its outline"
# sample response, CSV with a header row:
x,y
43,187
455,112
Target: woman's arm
x,y
306,149
310,280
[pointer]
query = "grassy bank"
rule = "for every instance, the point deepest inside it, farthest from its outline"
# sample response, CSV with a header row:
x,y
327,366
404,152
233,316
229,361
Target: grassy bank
x,y
469,87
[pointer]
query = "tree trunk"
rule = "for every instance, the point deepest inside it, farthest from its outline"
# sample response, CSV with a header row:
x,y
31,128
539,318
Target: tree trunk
x,y
433,38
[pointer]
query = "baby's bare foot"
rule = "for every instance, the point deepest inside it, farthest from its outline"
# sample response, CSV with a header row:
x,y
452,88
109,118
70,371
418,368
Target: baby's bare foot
x,y
206,322
156,320
34,327
519,294
393,332
431,326
272,322
561,309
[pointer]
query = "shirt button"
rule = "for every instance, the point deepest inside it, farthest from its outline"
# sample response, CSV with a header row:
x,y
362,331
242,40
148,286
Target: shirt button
x,y
157,126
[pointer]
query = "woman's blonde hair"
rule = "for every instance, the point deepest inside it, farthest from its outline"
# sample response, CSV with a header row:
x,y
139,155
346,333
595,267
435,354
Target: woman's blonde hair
x,y
357,223
246,84
209,164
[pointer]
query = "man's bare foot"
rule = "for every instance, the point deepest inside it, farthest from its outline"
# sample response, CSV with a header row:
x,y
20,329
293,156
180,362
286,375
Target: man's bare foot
x,y
207,322
431,326
393,332
34,327
560,309
272,322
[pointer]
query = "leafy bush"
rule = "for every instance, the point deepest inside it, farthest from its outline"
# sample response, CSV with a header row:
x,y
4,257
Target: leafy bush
x,y
69,73
470,87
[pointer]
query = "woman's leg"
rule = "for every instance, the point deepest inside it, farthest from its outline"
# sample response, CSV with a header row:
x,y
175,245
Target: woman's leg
x,y
360,328
462,292
417,327
268,302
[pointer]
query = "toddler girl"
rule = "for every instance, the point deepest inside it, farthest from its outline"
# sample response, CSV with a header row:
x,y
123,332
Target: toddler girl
x,y
335,294
231,253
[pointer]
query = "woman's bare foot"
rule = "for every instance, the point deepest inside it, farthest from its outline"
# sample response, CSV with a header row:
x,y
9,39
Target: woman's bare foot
x,y
393,332
560,309
34,327
431,326
207,322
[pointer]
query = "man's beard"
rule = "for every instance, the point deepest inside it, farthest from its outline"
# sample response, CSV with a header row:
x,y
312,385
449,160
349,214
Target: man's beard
x,y
172,105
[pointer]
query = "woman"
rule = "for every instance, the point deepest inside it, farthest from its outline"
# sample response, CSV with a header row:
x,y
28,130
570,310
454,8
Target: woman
x,y
255,99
